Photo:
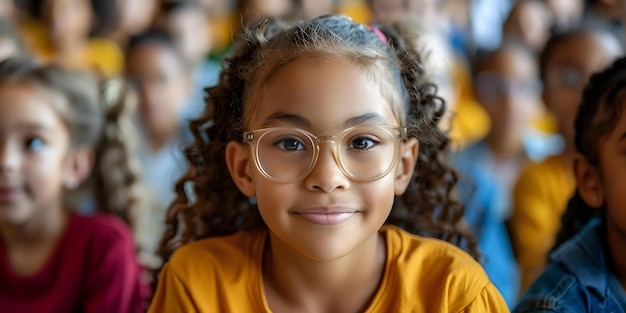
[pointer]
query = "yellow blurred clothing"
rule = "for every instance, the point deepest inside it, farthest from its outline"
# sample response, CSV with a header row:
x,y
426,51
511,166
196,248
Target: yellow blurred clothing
x,y
222,26
470,122
357,10
540,198
223,274
546,123
101,55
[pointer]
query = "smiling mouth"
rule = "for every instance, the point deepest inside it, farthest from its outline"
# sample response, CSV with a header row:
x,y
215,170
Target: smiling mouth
x,y
327,218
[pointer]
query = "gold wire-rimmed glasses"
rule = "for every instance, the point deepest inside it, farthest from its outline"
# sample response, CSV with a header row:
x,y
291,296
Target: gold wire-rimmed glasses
x,y
288,154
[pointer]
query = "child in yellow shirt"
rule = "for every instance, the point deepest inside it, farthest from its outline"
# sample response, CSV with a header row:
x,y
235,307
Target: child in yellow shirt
x,y
318,135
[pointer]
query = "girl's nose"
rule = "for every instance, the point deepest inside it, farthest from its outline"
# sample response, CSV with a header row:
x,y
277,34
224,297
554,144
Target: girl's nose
x,y
326,174
9,159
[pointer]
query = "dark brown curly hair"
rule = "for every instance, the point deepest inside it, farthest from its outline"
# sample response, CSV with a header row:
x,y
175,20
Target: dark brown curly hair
x,y
209,203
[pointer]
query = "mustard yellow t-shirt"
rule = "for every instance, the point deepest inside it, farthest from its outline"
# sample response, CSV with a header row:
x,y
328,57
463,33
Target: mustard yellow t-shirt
x,y
223,274
540,197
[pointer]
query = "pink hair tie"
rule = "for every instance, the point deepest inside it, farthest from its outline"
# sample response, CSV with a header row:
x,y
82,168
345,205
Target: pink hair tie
x,y
378,33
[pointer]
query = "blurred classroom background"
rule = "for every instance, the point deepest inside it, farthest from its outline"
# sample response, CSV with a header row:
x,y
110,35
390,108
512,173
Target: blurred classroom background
x,y
506,92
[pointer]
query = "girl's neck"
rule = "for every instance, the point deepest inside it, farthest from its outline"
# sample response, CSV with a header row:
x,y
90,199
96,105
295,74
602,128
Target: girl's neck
x,y
41,229
344,285
70,54
503,146
159,137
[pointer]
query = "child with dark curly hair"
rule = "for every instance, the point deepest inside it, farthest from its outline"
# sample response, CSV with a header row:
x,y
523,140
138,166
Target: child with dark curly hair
x,y
317,174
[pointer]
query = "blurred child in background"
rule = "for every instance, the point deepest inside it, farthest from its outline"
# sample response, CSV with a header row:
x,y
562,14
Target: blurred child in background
x,y
315,8
188,26
133,17
529,22
253,11
541,192
52,134
507,86
163,81
587,271
63,38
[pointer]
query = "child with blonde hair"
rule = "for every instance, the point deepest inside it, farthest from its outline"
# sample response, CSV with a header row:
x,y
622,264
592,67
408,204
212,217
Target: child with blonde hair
x,y
58,140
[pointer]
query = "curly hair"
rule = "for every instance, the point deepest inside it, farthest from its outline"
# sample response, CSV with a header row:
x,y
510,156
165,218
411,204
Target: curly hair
x,y
214,206
598,114
98,117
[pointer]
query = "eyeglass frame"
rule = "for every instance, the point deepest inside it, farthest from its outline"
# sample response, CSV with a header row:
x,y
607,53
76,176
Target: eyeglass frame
x,y
397,132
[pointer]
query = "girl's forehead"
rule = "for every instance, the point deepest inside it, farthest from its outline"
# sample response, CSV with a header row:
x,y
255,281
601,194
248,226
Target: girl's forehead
x,y
586,49
323,91
26,104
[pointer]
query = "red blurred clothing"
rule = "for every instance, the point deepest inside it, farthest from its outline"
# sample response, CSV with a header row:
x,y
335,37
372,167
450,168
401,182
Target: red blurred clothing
x,y
92,269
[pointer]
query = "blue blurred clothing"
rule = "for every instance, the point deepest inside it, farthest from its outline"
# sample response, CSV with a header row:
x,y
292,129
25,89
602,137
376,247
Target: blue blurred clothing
x,y
204,76
578,278
487,198
478,193
477,160
487,19
160,170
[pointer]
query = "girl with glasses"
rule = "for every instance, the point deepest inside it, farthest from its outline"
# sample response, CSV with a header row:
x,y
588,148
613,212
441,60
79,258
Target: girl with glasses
x,y
315,177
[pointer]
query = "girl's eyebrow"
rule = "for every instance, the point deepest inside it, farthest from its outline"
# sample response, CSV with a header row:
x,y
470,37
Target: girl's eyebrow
x,y
34,127
370,118
297,120
293,119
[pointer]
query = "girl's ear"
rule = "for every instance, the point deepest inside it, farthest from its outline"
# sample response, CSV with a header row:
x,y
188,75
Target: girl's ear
x,y
589,182
238,161
409,151
80,163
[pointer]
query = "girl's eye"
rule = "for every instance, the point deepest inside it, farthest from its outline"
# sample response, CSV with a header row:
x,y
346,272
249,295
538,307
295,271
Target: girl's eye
x,y
290,144
362,143
34,144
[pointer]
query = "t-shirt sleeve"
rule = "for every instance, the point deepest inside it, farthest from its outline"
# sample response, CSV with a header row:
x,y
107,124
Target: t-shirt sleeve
x,y
113,281
489,300
171,295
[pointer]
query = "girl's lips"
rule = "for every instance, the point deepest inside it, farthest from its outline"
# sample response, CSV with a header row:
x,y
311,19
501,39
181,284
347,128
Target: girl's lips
x,y
327,218
9,193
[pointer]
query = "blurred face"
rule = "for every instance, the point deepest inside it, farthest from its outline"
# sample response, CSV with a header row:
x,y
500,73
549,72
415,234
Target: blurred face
x,y
530,22
68,20
136,15
191,33
7,8
508,88
34,145
567,72
254,10
566,12
315,8
163,85
325,215
386,10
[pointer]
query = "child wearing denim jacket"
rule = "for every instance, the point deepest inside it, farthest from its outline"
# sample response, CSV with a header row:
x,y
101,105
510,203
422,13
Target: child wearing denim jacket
x,y
587,273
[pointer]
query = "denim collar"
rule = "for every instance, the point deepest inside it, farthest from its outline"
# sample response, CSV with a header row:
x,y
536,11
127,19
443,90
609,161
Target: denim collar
x,y
584,256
